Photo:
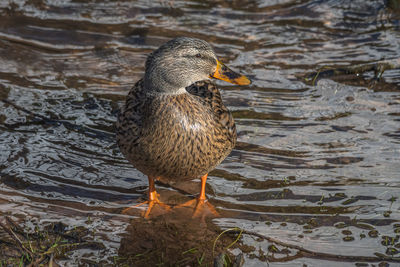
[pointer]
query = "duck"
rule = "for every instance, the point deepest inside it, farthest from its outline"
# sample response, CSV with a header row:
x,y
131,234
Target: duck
x,y
174,125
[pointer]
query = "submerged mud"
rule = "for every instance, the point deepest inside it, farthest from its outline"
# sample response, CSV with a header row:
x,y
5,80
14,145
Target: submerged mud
x,y
174,239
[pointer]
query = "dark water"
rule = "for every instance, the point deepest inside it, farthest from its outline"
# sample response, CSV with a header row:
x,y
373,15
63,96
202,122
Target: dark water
x,y
311,161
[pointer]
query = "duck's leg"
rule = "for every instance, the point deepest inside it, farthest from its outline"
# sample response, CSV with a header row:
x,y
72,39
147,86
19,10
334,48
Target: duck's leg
x,y
201,204
202,195
153,199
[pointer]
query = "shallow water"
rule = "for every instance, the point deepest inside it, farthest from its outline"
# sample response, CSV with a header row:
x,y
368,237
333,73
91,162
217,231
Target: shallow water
x,y
311,160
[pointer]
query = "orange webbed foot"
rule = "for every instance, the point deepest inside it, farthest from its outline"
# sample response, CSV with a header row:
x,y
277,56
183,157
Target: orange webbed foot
x,y
201,208
151,206
152,202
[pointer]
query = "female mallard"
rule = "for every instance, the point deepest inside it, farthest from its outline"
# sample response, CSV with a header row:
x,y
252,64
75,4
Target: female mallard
x,y
174,125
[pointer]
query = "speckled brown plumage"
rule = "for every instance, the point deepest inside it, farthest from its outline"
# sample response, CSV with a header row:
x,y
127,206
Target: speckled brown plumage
x,y
174,125
176,136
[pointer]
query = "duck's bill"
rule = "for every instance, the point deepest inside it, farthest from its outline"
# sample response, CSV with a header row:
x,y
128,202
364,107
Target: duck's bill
x,y
222,72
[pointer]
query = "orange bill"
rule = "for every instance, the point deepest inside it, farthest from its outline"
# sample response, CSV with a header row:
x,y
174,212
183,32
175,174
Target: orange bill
x,y
222,72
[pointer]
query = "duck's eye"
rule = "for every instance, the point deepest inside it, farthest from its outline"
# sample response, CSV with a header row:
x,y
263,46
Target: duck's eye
x,y
198,55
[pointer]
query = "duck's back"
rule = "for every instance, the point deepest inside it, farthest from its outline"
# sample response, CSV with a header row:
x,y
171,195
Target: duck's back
x,y
181,136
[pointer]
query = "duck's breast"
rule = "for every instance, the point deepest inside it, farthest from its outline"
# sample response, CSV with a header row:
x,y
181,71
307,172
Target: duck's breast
x,y
180,136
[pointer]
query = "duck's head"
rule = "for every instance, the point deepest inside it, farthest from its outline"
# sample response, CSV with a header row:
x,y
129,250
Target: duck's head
x,y
183,61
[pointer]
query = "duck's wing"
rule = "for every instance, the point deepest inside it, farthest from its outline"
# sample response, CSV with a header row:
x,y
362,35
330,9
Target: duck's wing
x,y
130,118
208,93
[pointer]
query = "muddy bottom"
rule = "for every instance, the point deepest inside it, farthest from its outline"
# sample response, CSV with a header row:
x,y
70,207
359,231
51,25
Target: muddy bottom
x,y
174,238
180,232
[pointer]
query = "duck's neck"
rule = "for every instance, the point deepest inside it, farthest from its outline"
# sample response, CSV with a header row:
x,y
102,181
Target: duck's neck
x,y
160,79
159,86
165,93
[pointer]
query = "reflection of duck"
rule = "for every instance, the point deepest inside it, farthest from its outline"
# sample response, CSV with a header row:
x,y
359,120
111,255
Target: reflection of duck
x,y
174,125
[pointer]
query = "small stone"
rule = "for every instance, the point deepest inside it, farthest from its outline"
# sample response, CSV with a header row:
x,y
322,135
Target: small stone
x,y
347,232
373,233
348,238
383,264
340,225
387,213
